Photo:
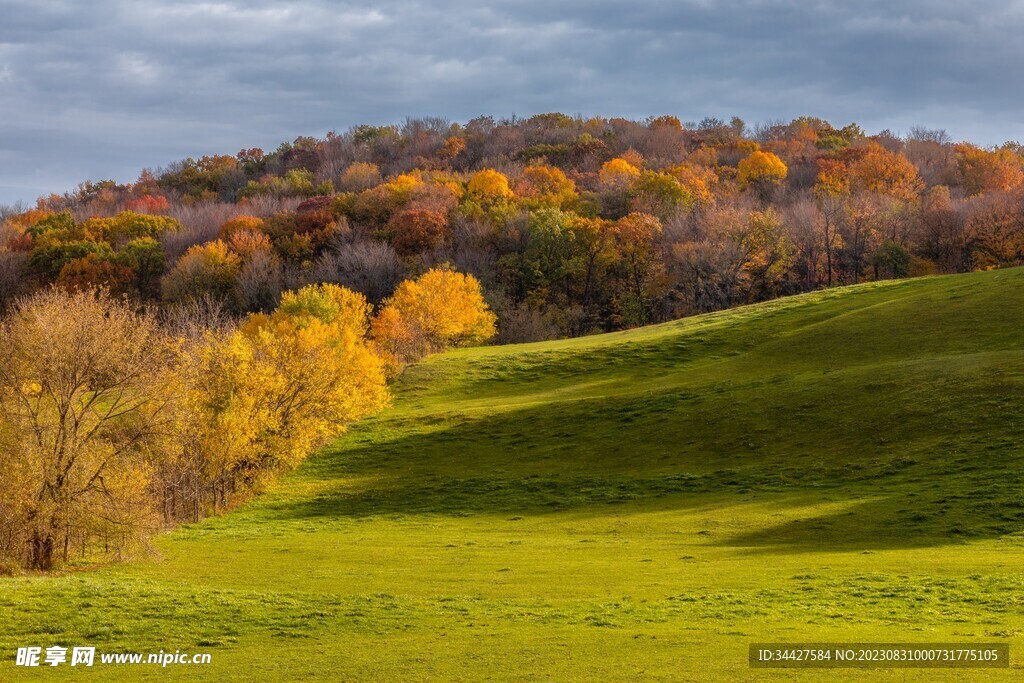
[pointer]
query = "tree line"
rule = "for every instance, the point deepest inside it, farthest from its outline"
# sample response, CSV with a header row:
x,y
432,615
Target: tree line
x,y
572,225
118,420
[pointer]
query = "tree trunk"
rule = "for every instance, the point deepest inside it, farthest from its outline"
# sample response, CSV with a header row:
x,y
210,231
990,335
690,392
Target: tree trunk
x,y
828,252
42,551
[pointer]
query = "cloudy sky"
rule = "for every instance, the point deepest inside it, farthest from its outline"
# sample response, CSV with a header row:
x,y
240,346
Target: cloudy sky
x,y
102,89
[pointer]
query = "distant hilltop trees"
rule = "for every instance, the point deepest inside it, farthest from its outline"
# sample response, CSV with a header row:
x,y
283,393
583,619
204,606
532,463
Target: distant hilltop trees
x,y
571,225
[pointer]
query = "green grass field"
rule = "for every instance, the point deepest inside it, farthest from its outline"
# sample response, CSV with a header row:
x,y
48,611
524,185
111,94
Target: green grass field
x,y
841,466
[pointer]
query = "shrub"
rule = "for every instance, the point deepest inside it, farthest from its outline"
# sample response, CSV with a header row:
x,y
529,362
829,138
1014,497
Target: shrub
x,y
127,226
48,260
892,260
93,272
265,396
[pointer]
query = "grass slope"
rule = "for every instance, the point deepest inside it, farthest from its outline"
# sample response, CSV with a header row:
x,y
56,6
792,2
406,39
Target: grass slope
x,y
840,466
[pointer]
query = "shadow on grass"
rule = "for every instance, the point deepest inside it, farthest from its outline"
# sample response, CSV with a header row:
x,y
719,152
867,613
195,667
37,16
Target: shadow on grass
x,y
675,450
905,519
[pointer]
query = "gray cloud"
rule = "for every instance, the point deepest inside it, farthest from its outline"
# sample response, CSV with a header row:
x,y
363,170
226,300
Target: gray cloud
x,y
103,89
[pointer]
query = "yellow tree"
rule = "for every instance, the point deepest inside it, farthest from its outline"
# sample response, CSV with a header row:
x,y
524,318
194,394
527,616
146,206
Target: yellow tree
x,y
546,186
618,174
761,171
404,185
265,396
488,186
227,407
488,195
439,309
698,181
316,341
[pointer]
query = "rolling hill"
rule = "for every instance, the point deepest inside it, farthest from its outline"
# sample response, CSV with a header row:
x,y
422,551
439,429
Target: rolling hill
x,y
845,465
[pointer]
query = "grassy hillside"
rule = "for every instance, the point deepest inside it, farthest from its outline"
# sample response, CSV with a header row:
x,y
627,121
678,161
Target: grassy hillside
x,y
841,466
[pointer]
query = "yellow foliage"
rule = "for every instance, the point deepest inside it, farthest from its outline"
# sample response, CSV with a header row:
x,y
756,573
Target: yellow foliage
x,y
127,226
271,392
546,186
489,186
31,388
618,173
761,168
698,181
240,224
833,179
659,194
83,380
746,147
344,312
404,185
246,243
359,176
489,197
441,308
205,269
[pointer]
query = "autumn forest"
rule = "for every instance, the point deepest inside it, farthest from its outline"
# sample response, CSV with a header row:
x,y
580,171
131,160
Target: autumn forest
x,y
171,345
571,225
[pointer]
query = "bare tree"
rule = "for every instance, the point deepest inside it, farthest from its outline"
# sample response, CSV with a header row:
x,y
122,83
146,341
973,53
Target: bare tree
x,y
200,224
14,274
372,268
804,223
193,318
260,282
